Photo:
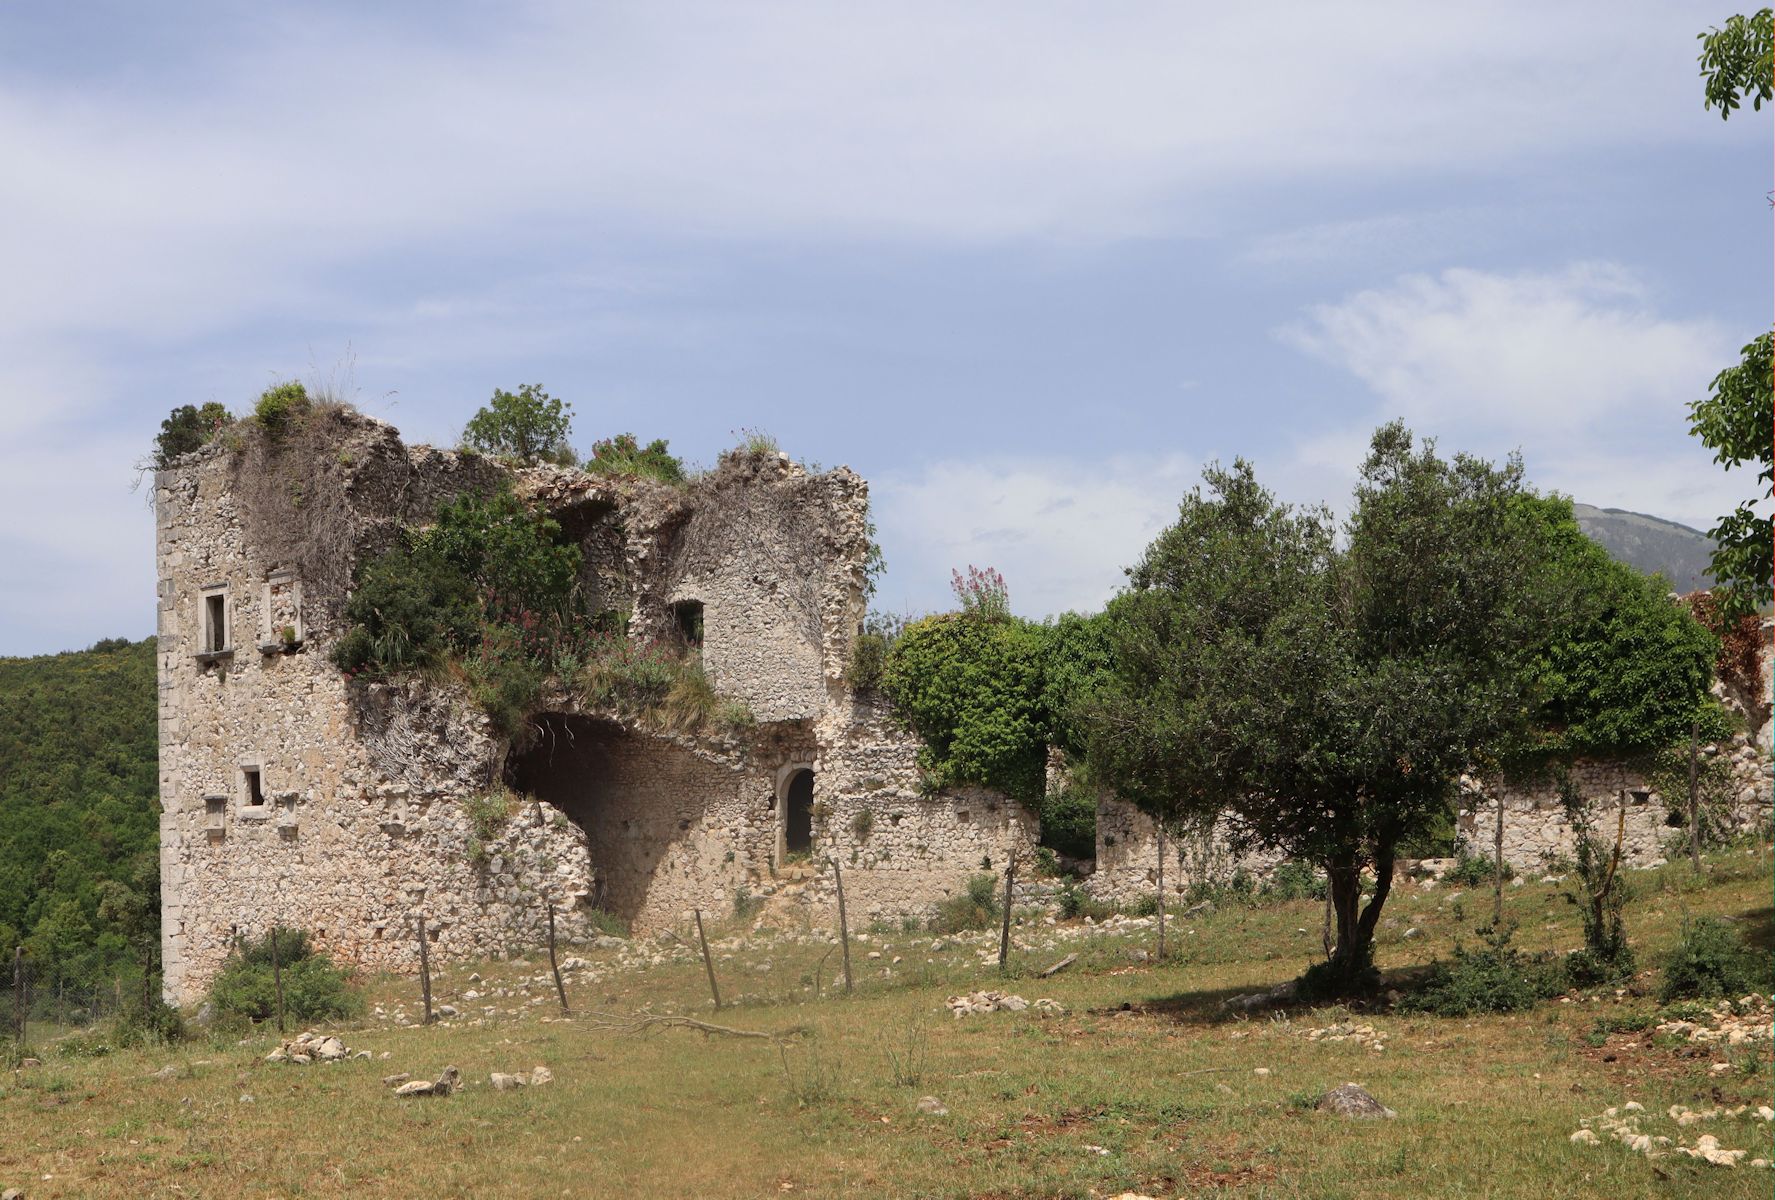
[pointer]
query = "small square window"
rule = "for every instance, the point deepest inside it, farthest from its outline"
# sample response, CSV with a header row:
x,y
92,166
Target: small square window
x,y
255,787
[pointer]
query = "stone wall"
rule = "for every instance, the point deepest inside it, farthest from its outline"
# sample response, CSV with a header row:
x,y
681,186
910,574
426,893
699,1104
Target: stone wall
x,y
1537,834
1128,857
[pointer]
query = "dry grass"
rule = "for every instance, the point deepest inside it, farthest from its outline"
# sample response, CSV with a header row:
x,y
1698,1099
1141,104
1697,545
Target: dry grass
x,y
1144,1085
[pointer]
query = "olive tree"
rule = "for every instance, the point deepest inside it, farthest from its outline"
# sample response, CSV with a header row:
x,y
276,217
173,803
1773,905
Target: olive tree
x,y
1319,697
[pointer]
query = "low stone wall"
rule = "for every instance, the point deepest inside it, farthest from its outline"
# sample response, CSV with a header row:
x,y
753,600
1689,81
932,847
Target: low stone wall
x,y
1128,857
1537,834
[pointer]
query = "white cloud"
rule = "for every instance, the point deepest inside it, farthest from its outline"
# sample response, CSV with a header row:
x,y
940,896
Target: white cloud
x,y
1060,530
1577,368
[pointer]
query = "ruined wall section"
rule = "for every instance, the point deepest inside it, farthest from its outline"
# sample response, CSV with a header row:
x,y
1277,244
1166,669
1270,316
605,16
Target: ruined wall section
x,y
360,824
913,847
1537,835
1127,867
775,556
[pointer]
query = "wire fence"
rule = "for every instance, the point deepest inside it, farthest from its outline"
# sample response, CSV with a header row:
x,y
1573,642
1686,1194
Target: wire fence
x,y
40,1002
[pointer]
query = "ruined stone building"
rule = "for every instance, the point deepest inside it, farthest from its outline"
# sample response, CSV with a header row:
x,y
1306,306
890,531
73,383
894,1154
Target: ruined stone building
x,y
293,795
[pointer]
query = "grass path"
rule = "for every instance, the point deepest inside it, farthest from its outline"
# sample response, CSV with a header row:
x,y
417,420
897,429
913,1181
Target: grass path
x,y
1143,1085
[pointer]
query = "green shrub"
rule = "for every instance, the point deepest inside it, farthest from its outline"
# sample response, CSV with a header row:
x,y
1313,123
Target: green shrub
x,y
314,989
490,811
1069,822
971,688
1295,881
1074,902
280,406
976,908
185,429
1144,906
623,455
863,824
754,443
869,650
1497,978
1712,960
527,426
1476,870
1601,896
603,921
156,1023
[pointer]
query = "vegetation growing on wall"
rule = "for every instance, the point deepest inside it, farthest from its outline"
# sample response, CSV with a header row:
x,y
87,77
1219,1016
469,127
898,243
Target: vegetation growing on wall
x,y
1621,669
624,455
527,426
185,429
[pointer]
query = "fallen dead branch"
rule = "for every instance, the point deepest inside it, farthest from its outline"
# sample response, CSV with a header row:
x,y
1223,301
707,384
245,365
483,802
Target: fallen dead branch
x,y
641,1023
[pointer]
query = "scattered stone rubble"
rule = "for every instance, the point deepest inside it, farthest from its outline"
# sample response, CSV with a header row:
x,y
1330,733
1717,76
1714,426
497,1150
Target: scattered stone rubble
x,y
1622,1124
311,1047
1353,1100
1743,1022
987,1002
445,1084
1366,1036
503,1082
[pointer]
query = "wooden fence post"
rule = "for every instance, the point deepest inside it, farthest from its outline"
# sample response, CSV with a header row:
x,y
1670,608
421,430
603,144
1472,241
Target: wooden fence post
x,y
1161,954
560,989
277,977
18,995
1004,935
1497,849
844,929
708,962
1694,797
425,970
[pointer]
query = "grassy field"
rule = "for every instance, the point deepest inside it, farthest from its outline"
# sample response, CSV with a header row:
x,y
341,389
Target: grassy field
x,y
1146,1084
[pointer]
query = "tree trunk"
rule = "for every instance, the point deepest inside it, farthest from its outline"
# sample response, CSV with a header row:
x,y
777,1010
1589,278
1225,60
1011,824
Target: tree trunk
x,y
1355,921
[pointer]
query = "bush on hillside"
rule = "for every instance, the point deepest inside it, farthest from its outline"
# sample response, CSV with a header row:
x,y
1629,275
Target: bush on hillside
x,y
975,908
1712,960
1496,978
624,455
314,989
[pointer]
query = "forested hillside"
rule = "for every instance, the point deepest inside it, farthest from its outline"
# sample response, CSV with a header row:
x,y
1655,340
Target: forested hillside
x,y
79,876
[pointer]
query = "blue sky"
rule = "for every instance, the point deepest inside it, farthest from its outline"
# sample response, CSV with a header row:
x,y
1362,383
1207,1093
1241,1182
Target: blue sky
x,y
1025,266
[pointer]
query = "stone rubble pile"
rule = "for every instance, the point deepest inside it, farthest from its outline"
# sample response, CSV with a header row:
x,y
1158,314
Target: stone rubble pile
x,y
1730,1023
311,1047
1366,1036
988,1002
1622,1124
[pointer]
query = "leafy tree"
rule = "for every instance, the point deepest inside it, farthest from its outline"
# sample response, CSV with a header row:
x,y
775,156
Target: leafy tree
x,y
186,429
1736,62
1078,659
1734,421
971,686
1324,700
528,425
1622,669
623,455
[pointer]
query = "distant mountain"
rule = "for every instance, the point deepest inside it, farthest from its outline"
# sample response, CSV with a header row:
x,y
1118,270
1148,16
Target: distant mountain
x,y
1650,543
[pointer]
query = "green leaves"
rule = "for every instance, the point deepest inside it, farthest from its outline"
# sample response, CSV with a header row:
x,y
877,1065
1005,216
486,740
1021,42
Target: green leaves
x,y
1736,63
528,426
1734,421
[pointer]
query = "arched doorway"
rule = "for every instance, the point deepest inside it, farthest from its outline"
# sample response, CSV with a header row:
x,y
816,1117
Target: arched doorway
x,y
798,813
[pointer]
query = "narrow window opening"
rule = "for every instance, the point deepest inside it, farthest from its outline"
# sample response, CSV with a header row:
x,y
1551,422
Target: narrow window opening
x,y
687,616
255,787
215,623
798,814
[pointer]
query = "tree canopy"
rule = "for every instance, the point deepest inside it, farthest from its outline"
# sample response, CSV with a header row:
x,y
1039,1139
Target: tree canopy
x,y
1323,700
528,426
1734,421
1736,62
79,827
